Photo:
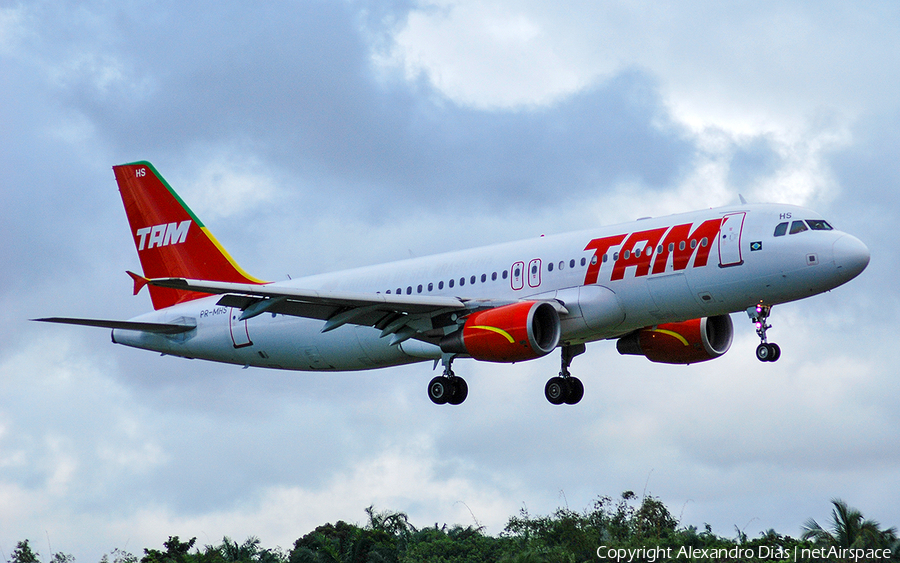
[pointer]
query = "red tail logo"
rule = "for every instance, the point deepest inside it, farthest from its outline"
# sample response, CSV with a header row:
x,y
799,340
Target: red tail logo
x,y
170,240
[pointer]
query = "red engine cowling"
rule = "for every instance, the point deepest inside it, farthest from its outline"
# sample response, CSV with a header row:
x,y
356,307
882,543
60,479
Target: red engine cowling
x,y
511,333
688,342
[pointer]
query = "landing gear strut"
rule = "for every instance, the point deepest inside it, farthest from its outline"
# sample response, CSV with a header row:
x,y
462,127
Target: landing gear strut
x,y
447,388
766,351
565,388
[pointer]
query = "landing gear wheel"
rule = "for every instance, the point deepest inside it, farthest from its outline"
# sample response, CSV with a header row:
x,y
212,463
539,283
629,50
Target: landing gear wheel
x,y
766,352
440,390
576,391
460,391
556,390
565,388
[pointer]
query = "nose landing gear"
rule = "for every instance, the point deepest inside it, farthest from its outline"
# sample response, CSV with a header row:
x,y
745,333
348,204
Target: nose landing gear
x,y
766,351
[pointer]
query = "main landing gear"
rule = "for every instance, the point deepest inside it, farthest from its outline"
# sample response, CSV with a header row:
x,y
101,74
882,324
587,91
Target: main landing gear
x,y
565,388
766,351
447,389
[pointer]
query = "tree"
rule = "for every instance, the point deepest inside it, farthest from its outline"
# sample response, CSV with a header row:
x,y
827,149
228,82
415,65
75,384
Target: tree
x,y
118,556
176,551
24,554
849,530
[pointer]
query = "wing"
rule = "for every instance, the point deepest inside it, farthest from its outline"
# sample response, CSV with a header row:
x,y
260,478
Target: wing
x,y
400,316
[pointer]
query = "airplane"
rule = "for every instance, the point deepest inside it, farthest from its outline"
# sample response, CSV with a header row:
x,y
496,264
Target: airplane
x,y
663,288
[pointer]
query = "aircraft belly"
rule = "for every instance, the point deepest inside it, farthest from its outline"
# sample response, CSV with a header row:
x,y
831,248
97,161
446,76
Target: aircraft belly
x,y
377,350
298,343
281,342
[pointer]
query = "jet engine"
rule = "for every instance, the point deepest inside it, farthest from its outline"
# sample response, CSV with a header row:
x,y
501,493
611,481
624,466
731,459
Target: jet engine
x,y
511,333
688,342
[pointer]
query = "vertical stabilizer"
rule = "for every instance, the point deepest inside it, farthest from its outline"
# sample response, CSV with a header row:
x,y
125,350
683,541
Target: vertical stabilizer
x,y
171,242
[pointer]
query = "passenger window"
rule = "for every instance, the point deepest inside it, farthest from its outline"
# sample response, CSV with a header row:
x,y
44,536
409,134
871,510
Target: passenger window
x,y
818,225
583,261
462,282
781,229
483,278
409,290
572,263
389,292
399,291
450,283
550,266
494,276
441,285
419,289
472,279
430,286
505,274
798,227
562,264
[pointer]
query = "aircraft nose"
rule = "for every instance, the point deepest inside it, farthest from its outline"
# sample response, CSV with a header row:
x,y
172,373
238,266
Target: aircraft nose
x,y
851,256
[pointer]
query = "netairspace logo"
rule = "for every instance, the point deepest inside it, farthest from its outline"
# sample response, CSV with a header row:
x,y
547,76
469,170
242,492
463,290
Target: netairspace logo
x,y
653,554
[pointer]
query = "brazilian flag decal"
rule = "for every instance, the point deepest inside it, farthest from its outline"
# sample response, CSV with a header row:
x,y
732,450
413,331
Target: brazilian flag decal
x,y
754,246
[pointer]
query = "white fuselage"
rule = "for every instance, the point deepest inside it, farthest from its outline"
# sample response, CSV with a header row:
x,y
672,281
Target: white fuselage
x,y
612,280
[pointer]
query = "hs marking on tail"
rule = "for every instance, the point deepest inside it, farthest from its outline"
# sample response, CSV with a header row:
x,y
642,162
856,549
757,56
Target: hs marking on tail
x,y
164,235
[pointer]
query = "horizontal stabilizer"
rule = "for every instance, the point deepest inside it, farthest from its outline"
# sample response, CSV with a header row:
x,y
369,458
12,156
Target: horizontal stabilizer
x,y
158,328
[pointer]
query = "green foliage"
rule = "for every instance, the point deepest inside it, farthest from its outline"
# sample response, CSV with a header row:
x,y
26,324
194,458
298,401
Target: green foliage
x,y
452,545
24,554
644,526
118,556
850,530
176,551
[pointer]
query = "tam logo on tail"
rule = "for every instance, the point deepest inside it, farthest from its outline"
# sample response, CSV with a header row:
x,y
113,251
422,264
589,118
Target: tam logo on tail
x,y
160,222
163,235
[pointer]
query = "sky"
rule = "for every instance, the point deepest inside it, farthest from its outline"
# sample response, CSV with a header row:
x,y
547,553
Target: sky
x,y
312,136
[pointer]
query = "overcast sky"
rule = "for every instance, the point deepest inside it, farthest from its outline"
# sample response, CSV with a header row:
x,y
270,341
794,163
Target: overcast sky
x,y
315,136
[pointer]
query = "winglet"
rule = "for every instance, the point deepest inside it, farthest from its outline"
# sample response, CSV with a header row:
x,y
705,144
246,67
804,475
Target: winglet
x,y
139,281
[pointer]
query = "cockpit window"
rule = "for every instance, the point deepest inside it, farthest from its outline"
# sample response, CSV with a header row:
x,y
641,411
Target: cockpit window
x,y
818,224
798,227
781,229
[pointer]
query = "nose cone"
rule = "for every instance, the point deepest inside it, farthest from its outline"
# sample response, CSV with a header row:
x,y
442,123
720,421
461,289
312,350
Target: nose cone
x,y
851,257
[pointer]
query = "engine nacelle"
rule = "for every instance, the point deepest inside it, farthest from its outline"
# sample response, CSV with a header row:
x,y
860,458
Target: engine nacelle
x,y
688,342
511,333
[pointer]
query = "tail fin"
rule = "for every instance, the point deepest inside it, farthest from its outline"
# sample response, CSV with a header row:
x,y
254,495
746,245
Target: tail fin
x,y
171,242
